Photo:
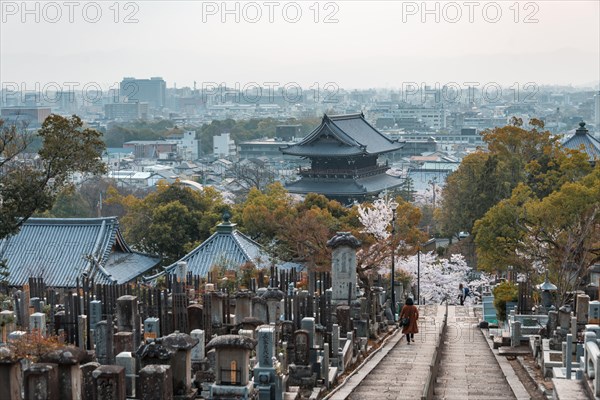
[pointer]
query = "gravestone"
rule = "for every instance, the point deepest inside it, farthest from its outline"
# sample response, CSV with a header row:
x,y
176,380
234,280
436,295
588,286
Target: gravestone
x,y
301,347
273,299
583,308
308,325
198,349
243,306
110,382
181,363
127,310
259,309
88,388
69,373
265,376
103,338
343,319
82,331
125,360
231,367
195,316
123,341
37,323
10,375
41,382
343,267
594,312
287,331
7,324
151,328
216,303
128,317
95,313
155,383
266,346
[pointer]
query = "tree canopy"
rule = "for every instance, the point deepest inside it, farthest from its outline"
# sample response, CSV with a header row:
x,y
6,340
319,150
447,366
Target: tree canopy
x,y
171,221
29,182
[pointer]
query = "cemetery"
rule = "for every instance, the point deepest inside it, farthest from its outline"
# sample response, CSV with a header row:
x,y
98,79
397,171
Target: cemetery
x,y
563,341
192,338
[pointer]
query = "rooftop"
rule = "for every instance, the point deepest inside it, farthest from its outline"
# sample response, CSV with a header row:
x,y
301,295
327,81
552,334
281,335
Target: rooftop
x,y
60,250
343,135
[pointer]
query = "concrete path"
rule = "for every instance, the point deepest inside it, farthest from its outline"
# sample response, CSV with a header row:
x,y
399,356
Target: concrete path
x,y
468,368
402,372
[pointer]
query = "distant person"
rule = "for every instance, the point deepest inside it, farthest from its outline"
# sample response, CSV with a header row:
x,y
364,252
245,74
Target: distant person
x,y
464,292
411,313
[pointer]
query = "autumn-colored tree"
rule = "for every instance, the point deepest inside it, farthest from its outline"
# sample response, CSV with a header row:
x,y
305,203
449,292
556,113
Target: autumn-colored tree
x,y
484,178
560,232
263,213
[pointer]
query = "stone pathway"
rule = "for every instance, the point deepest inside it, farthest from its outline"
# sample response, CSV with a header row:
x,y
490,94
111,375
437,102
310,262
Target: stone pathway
x,y
402,372
468,368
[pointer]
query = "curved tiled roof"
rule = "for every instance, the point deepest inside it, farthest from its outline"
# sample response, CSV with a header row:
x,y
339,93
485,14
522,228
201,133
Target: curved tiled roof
x,y
61,249
344,187
582,139
226,246
343,135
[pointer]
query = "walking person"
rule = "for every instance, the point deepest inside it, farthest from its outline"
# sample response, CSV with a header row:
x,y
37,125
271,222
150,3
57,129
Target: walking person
x,y
411,313
464,292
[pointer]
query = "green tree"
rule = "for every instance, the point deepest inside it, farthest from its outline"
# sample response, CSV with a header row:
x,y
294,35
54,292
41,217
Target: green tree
x,y
171,221
27,187
560,232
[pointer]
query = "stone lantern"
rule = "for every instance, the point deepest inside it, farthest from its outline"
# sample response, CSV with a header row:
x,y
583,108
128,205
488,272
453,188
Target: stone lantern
x,y
232,364
547,290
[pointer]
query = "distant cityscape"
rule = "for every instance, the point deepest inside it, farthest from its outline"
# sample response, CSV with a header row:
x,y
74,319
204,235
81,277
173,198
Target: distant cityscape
x,y
438,125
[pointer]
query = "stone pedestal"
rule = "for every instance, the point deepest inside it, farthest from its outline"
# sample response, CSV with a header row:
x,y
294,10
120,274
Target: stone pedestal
x,y
181,363
69,373
155,383
10,375
88,387
123,341
110,382
41,382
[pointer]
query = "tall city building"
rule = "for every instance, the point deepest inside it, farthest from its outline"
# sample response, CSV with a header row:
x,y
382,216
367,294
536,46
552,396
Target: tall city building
x,y
152,91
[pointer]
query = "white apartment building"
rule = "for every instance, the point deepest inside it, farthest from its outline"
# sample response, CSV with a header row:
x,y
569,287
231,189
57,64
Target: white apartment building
x,y
223,146
434,118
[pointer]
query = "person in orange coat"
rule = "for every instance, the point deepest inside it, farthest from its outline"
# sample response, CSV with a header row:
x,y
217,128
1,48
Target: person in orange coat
x,y
410,311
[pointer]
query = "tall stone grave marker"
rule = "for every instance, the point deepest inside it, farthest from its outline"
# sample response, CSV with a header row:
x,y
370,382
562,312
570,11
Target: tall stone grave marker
x,y
343,267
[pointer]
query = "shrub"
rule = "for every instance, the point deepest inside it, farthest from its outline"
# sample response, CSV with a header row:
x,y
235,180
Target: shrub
x,y
504,293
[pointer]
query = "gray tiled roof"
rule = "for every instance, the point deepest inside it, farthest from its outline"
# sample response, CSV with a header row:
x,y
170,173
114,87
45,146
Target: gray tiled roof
x,y
343,187
226,246
59,249
343,135
582,138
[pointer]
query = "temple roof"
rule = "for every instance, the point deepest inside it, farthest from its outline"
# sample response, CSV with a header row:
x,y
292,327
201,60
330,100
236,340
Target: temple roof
x,y
590,144
60,250
227,246
345,187
343,135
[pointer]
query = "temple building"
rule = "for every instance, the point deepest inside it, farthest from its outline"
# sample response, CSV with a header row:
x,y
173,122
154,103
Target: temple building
x,y
343,152
65,250
582,140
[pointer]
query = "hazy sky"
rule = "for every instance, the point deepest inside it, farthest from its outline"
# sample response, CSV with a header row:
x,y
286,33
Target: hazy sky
x,y
366,43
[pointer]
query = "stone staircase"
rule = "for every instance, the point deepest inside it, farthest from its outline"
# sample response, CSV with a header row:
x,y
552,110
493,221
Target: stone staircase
x,y
402,373
468,368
